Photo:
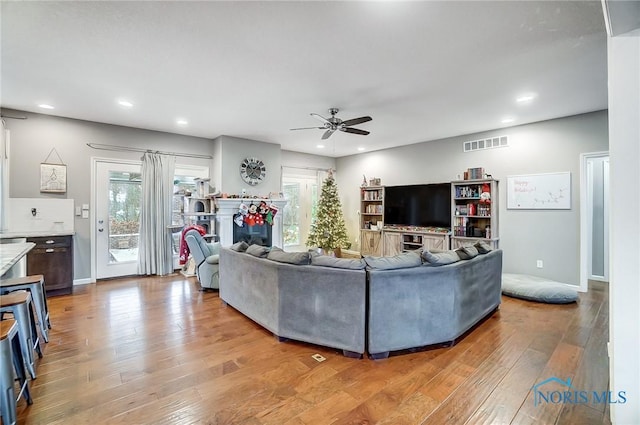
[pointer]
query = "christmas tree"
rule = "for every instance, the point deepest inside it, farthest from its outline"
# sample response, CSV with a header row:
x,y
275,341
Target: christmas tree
x,y
328,231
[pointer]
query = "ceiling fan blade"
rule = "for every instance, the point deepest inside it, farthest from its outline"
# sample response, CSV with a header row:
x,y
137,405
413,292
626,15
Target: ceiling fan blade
x,y
354,131
307,128
327,134
356,121
321,118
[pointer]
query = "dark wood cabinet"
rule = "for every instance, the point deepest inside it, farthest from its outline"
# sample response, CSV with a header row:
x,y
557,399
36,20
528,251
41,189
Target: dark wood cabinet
x,y
52,257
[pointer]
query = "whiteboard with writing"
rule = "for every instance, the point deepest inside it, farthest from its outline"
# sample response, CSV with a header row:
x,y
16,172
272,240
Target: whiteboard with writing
x,y
551,191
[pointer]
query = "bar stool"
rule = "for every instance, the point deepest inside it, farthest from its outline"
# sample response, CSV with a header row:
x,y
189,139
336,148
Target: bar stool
x,y
19,304
10,360
35,285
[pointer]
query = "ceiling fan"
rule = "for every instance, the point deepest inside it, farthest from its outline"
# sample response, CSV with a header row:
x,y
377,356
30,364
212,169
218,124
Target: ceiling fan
x,y
334,124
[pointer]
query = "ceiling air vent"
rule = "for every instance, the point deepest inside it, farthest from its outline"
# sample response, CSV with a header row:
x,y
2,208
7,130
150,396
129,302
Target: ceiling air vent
x,y
494,142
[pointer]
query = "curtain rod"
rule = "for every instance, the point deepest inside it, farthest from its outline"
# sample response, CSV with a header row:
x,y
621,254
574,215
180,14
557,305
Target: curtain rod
x,y
130,149
307,168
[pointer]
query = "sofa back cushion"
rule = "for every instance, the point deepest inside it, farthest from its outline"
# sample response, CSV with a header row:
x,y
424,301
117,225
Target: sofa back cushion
x,y
400,261
258,250
440,258
338,263
240,246
483,247
467,252
298,258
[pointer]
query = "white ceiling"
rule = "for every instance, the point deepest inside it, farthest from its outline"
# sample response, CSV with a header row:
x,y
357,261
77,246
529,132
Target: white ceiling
x,y
422,70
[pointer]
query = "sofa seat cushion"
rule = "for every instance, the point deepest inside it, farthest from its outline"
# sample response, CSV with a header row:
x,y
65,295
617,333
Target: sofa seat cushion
x,y
257,251
298,258
533,288
400,261
338,263
440,258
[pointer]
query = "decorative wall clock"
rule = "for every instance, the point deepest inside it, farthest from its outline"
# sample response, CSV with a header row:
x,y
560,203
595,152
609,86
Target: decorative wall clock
x,y
252,170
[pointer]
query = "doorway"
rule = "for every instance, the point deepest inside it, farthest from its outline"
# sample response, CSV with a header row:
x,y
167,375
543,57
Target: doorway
x,y
594,218
116,224
301,193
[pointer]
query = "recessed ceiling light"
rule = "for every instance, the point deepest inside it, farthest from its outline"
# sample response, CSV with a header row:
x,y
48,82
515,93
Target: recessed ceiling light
x,y
525,98
319,146
45,106
125,103
181,121
507,120
361,148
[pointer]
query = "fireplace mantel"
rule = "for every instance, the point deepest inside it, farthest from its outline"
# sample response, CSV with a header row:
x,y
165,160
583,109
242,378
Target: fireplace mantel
x,y
228,207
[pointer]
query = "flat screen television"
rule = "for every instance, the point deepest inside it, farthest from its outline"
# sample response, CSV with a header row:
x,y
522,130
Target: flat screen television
x,y
422,205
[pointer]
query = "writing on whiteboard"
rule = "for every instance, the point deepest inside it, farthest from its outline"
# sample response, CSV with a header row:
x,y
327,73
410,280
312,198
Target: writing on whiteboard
x,y
539,191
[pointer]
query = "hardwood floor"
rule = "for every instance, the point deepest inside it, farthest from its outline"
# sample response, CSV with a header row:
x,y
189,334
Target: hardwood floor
x,y
159,351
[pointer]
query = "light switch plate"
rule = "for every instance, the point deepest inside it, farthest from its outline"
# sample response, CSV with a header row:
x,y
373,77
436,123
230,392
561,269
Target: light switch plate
x,y
85,214
78,211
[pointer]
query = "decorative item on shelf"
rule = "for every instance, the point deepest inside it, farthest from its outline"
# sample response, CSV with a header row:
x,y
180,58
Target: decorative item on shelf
x,y
375,181
364,181
53,176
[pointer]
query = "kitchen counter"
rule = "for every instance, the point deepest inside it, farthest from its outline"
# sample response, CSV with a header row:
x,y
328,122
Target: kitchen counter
x,y
11,253
36,234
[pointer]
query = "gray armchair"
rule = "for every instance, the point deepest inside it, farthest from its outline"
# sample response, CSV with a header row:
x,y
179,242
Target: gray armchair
x,y
206,258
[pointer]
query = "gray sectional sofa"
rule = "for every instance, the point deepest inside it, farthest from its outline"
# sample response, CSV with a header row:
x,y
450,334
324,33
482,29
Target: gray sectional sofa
x,y
419,306
315,304
397,303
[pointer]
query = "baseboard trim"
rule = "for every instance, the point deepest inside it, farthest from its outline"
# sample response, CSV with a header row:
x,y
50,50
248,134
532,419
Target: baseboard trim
x,y
85,281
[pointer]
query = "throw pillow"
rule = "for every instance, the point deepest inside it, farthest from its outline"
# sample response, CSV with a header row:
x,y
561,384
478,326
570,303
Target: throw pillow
x,y
467,252
400,261
440,258
258,250
240,246
483,247
338,263
298,258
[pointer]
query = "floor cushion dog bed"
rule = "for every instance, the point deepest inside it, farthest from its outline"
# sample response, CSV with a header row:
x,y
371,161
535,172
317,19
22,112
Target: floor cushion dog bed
x,y
539,289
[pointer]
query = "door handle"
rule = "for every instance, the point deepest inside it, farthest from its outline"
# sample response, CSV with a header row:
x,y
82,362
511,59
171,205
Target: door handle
x,y
49,250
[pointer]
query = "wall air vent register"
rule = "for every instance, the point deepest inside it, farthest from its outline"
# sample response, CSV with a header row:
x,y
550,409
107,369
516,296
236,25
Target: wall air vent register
x,y
481,144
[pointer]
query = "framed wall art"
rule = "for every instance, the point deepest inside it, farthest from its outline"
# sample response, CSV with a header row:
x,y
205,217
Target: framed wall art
x,y
53,176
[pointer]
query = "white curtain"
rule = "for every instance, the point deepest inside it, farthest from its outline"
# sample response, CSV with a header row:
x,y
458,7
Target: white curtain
x,y
155,254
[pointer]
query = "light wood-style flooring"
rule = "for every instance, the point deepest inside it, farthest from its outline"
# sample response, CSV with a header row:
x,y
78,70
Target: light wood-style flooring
x,y
159,351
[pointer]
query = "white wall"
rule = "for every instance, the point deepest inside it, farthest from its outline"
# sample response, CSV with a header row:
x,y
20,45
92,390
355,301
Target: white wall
x,y
525,236
292,159
624,292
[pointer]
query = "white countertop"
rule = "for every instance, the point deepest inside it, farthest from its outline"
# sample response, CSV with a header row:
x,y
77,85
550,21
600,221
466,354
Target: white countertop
x,y
36,234
11,253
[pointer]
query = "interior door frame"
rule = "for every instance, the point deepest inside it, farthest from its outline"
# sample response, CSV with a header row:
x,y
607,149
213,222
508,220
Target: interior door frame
x,y
586,221
94,203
